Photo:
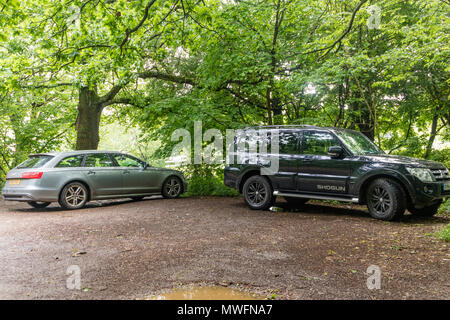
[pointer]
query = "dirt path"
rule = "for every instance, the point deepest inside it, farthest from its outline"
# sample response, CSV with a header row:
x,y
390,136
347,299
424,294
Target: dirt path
x,y
134,249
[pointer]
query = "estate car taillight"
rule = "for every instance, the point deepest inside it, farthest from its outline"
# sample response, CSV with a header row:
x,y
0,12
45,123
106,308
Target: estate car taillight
x,y
32,175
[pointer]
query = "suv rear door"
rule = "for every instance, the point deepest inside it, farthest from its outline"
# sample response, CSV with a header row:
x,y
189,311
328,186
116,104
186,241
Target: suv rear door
x,y
317,171
285,178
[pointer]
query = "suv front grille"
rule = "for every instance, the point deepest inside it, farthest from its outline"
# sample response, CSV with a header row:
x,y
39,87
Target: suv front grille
x,y
440,174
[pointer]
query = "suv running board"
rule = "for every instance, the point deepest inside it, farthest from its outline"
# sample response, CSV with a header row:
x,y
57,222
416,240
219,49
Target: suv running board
x,y
311,196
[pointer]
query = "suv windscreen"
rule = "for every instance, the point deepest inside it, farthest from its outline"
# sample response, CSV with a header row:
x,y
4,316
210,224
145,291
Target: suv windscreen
x,y
358,143
34,162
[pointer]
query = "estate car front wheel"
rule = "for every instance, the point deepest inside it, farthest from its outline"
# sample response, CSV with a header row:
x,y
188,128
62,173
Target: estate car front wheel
x,y
385,200
172,188
258,193
73,196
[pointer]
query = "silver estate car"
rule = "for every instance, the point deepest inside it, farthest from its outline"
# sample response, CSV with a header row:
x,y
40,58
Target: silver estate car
x,y
74,178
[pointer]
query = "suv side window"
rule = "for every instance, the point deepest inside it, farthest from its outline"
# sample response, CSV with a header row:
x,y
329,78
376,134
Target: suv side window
x,y
126,161
71,162
98,160
288,142
317,142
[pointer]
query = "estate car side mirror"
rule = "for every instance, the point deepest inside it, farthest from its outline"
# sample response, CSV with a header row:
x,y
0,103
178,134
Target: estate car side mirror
x,y
335,151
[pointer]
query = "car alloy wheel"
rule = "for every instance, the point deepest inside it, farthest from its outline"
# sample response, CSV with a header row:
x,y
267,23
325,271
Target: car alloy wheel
x,y
386,199
172,187
74,196
381,200
256,193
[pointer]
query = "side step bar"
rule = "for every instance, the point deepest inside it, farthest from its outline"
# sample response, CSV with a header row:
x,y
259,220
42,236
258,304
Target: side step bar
x,y
312,196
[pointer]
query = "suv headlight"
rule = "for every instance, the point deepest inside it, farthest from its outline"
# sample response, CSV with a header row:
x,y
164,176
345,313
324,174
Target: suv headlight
x,y
422,174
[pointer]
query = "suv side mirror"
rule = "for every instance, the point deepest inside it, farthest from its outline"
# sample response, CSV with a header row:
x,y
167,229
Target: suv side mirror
x,y
335,151
146,165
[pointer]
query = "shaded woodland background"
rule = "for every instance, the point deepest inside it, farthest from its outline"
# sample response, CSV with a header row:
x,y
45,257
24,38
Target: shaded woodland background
x,y
124,74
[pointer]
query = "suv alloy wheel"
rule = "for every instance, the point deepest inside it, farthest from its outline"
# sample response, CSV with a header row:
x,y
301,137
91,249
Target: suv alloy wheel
x,y
258,193
385,199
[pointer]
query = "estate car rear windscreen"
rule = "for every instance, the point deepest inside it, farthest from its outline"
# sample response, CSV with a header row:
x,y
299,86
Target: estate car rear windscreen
x,y
34,162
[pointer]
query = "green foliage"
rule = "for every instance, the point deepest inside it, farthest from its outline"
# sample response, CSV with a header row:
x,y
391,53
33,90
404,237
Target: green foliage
x,y
444,234
442,156
206,180
444,209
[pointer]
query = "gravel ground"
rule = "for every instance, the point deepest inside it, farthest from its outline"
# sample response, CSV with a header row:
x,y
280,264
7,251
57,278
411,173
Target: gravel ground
x,y
128,250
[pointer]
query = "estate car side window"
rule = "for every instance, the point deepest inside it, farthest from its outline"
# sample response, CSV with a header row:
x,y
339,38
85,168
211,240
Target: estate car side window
x,y
126,161
317,142
71,162
98,160
288,142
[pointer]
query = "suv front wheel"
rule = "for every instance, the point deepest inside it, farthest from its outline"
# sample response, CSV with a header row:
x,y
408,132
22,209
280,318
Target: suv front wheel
x,y
385,199
258,193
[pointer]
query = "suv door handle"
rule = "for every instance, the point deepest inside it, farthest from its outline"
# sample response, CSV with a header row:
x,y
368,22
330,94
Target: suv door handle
x,y
126,172
90,172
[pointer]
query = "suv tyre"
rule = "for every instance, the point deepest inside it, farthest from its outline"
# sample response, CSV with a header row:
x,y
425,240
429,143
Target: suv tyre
x,y
386,199
258,193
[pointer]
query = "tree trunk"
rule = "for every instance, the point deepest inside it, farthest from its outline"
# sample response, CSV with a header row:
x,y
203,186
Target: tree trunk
x,y
88,122
433,134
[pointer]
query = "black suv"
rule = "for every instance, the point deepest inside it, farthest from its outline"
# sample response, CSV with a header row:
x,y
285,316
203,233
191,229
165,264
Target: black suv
x,y
333,164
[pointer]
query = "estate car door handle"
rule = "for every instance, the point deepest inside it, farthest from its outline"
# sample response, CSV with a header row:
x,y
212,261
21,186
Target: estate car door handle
x,y
90,172
126,172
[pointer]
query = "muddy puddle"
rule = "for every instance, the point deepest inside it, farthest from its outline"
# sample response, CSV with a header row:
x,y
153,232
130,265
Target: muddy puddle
x,y
206,293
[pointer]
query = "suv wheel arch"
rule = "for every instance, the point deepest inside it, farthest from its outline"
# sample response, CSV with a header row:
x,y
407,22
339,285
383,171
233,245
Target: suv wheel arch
x,y
248,174
366,183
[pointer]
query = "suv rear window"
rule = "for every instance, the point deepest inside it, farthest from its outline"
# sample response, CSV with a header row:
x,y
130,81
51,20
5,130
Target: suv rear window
x,y
34,162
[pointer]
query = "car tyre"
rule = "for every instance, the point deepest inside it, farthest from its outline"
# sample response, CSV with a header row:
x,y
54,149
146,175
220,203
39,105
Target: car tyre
x,y
427,211
258,193
39,205
73,196
172,188
386,200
